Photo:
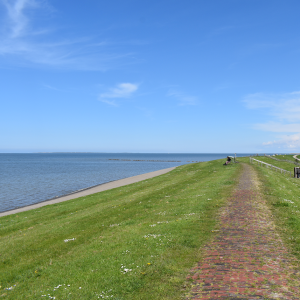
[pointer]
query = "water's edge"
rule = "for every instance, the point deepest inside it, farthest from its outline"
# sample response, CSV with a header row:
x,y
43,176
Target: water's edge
x,y
89,191
31,178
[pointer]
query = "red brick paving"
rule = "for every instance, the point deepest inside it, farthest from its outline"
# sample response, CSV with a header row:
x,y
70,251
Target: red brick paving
x,y
247,258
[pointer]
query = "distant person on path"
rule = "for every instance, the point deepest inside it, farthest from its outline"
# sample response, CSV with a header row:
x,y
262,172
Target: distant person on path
x,y
227,161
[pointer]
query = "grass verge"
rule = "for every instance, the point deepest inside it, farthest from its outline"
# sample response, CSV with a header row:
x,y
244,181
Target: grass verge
x,y
280,164
286,156
283,198
134,242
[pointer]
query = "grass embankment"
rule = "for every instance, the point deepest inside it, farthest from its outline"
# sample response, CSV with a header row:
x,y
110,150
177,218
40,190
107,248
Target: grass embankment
x,y
134,242
280,164
283,197
285,156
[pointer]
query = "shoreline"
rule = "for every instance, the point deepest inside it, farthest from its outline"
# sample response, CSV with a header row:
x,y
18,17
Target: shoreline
x,y
88,191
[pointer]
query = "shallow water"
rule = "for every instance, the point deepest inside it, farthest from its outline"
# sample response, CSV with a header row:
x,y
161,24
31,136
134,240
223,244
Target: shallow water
x,y
34,177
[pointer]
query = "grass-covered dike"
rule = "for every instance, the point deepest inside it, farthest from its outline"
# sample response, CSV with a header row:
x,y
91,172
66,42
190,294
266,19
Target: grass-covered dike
x,y
288,166
282,194
134,242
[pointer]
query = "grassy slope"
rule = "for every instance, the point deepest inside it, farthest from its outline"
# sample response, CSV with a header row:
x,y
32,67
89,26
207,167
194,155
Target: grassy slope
x,y
280,164
286,156
283,196
133,242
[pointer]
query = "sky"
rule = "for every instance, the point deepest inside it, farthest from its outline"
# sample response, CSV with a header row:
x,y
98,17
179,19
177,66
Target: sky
x,y
154,76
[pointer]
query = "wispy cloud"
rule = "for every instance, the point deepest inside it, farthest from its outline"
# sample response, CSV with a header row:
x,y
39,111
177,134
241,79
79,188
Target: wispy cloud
x,y
183,99
122,90
50,87
283,107
17,21
286,142
26,44
109,102
284,116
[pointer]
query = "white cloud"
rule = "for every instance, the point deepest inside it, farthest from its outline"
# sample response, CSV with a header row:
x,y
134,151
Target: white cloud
x,y
17,20
284,107
286,142
109,102
24,43
284,111
184,99
122,90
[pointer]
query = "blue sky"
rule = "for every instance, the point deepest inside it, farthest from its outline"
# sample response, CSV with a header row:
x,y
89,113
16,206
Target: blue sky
x,y
150,76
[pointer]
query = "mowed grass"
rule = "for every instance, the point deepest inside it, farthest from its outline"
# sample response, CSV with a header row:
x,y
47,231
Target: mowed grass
x,y
289,166
286,156
283,197
134,242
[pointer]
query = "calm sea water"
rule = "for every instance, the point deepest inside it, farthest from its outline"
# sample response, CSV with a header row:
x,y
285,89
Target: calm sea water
x,y
31,178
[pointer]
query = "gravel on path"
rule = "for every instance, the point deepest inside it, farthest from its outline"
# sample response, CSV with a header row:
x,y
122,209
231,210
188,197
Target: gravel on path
x,y
247,258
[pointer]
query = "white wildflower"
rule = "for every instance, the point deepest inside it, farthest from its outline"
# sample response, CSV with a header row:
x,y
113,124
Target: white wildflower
x,y
67,240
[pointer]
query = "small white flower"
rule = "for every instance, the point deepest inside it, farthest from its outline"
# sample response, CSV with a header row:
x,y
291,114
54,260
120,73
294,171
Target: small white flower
x,y
67,240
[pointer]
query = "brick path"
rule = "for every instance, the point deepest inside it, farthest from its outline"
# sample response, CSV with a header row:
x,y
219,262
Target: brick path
x,y
246,259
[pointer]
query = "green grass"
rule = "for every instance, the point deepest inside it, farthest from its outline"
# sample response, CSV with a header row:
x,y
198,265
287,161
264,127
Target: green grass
x,y
285,156
288,157
134,242
283,197
280,164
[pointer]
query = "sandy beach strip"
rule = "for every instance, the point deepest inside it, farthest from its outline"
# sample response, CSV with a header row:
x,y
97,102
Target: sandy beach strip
x,y
89,191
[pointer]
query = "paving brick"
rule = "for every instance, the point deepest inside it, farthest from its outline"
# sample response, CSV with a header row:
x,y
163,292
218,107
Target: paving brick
x,y
246,259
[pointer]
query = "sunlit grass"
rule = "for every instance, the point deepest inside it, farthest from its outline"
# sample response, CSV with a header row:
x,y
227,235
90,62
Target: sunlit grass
x,y
283,196
286,156
280,164
134,242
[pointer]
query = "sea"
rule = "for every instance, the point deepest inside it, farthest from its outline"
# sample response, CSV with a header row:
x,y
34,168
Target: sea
x,y
29,178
